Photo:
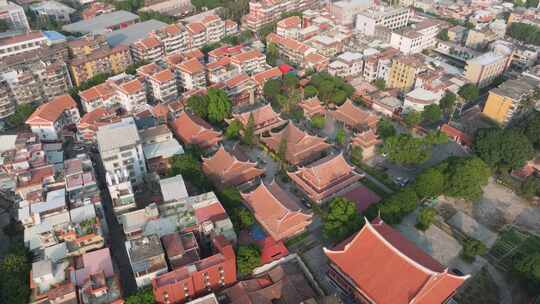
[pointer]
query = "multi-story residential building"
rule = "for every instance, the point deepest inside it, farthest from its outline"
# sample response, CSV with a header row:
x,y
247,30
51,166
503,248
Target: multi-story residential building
x,y
121,191
95,9
147,259
160,83
388,17
21,43
101,61
263,11
53,10
482,70
377,65
7,103
326,45
14,15
121,90
478,40
159,147
291,49
197,35
347,64
403,71
121,150
215,28
146,49
222,70
193,275
241,89
174,38
289,27
505,103
191,73
345,11
416,38
249,62
49,119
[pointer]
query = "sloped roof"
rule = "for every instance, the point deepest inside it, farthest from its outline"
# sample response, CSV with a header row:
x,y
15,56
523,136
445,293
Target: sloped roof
x,y
193,130
300,145
260,115
50,111
228,169
323,171
365,139
389,269
277,212
354,116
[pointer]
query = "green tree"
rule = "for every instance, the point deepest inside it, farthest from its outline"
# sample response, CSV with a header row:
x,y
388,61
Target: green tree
x,y
282,152
430,183
230,198
385,128
432,113
503,149
340,136
532,129
412,118
394,208
380,84
326,91
14,275
247,258
469,92
132,68
22,112
190,168
447,102
94,81
290,82
233,130
341,220
219,105
404,149
469,25
524,32
271,89
272,54
357,155
443,35
466,177
244,217
199,105
310,91
472,248
436,137
142,296
425,218
318,121
528,270
339,97
530,187
249,131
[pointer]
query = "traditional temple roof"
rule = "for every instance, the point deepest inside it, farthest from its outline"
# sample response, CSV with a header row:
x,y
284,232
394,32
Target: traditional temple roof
x,y
227,169
264,117
365,139
300,145
389,269
325,177
193,130
312,107
354,116
276,211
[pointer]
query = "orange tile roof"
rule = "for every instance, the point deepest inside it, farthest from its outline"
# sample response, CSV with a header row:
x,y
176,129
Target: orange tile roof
x,y
196,53
277,211
289,43
191,66
164,76
237,80
196,27
354,116
260,115
132,86
21,38
312,107
300,145
293,21
247,56
50,111
209,19
261,77
226,169
100,91
366,139
148,69
148,43
222,62
389,269
193,130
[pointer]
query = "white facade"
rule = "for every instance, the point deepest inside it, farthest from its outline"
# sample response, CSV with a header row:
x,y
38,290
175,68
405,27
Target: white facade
x,y
415,39
347,64
14,15
391,18
21,43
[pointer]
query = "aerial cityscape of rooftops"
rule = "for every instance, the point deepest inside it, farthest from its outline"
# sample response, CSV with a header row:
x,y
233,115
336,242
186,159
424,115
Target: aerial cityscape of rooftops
x,y
269,151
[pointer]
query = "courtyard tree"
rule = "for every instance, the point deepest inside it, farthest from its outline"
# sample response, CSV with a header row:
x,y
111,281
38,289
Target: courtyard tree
x,y
528,270
341,220
425,218
469,92
447,102
503,149
385,128
248,257
310,91
243,217
394,208
272,54
406,150
199,105
142,296
472,248
532,129
432,113
248,137
340,136
380,84
22,112
430,183
272,89
219,105
233,130
412,118
466,177
14,275
318,121
357,155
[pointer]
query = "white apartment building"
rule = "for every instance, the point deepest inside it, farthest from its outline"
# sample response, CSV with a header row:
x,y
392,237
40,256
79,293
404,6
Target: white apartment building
x,y
121,150
347,64
249,62
174,38
345,11
160,82
50,118
197,35
53,10
215,28
416,38
21,43
14,15
192,74
147,259
389,17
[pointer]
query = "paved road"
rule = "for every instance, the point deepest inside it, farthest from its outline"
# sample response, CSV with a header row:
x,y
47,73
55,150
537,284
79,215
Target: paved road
x,y
116,234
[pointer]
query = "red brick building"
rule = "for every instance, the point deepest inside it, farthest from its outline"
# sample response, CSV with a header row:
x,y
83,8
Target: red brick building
x,y
380,266
198,278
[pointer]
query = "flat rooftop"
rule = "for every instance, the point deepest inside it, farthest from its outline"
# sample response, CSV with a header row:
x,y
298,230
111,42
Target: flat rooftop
x,y
100,23
132,33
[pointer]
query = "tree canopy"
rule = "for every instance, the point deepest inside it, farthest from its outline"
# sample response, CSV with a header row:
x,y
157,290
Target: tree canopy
x,y
380,84
318,121
385,128
432,113
219,105
412,118
22,112
15,275
247,258
394,208
331,89
447,102
143,296
466,177
524,32
341,220
443,35
469,92
340,136
425,218
199,105
430,183
248,137
233,130
310,91
472,248
405,149
503,149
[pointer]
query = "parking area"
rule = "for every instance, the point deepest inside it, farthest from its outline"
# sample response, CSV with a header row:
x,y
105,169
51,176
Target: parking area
x,y
317,262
